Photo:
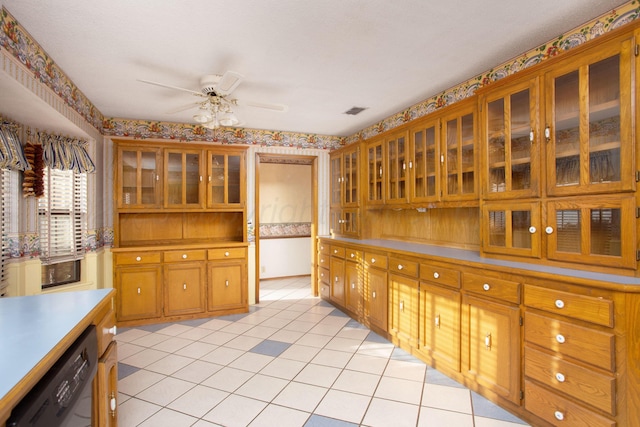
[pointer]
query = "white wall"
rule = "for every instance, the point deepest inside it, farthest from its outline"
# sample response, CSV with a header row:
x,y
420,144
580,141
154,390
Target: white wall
x,y
285,257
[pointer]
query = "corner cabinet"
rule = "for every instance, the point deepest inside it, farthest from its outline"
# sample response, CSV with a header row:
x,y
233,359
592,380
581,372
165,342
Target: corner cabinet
x,y
176,205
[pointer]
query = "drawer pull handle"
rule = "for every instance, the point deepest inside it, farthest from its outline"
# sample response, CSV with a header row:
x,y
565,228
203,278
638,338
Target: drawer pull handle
x,y
184,286
226,253
560,338
560,377
486,287
112,330
321,260
226,283
373,294
437,321
487,341
138,291
321,274
436,275
184,256
400,266
335,251
559,415
353,255
336,279
138,258
353,286
401,305
373,260
559,303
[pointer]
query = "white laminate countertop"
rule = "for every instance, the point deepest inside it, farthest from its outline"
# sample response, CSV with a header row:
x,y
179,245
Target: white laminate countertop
x,y
31,326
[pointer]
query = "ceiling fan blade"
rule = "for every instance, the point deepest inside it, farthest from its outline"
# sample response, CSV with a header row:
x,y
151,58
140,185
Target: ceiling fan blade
x,y
195,92
184,108
228,82
281,108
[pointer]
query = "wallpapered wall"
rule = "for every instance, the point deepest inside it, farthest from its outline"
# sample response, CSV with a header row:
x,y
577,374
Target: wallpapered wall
x,y
15,39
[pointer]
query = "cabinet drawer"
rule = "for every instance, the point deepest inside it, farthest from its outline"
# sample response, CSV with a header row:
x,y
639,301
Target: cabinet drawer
x,y
403,266
106,330
337,251
493,287
227,253
137,258
559,411
592,388
178,256
323,260
374,259
353,255
585,344
324,276
582,307
440,275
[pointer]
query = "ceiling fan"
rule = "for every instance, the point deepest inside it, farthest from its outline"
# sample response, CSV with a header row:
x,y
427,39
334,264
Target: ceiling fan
x,y
217,107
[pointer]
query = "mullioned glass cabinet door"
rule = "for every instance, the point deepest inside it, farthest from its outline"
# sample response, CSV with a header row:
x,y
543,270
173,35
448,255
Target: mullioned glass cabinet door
x,y
375,173
183,181
336,181
512,229
589,128
140,178
225,179
351,182
397,169
511,132
424,163
459,155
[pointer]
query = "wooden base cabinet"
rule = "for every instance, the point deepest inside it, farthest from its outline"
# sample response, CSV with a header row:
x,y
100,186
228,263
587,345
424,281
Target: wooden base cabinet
x,y
184,293
139,292
227,285
375,298
106,388
354,301
403,310
491,346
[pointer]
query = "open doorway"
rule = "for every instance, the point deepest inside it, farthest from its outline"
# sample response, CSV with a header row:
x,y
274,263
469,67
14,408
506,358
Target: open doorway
x,y
286,218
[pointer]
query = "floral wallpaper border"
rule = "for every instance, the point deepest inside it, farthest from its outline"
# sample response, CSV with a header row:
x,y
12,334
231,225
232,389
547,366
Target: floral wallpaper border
x,y
286,229
15,39
28,245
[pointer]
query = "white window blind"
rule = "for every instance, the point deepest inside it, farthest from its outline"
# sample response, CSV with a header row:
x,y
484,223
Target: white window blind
x,y
62,215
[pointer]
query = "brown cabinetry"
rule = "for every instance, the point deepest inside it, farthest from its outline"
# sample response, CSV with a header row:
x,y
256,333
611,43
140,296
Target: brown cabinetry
x,y
105,383
376,290
353,290
179,206
403,303
345,192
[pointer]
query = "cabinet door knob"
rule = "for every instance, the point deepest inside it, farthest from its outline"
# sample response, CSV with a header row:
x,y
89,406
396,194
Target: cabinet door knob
x,y
400,266
336,279
373,260
401,305
486,287
138,258
353,286
226,253
559,415
437,321
559,303
548,230
226,283
487,341
373,294
184,286
532,230
436,275
547,133
353,255
560,338
335,251
112,330
560,377
184,256
531,136
138,291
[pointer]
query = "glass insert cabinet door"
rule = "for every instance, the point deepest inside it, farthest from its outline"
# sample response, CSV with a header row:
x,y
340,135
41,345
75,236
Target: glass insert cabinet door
x,y
594,230
512,151
375,172
183,178
336,181
225,180
589,135
140,184
397,150
512,228
424,162
459,139
350,178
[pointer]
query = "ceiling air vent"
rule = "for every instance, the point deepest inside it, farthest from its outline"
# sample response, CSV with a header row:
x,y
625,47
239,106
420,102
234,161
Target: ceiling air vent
x,y
355,110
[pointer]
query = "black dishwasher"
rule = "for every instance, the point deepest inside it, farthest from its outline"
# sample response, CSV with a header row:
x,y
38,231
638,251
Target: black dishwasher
x,y
63,397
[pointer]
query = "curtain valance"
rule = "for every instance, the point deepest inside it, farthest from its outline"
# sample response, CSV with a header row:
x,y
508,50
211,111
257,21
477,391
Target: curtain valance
x,y
64,153
11,151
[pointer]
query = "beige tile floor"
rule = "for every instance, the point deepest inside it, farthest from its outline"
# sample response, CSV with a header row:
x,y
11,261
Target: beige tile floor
x,y
293,360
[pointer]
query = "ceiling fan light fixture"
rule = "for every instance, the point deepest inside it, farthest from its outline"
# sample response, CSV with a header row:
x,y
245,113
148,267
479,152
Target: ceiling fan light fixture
x,y
228,119
202,116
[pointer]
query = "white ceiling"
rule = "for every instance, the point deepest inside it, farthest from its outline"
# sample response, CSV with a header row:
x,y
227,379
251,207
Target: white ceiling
x,y
318,57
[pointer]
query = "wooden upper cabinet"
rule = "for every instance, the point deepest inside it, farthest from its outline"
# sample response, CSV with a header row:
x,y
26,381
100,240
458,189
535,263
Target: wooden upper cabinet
x,y
344,177
183,180
225,179
588,122
511,136
425,162
138,183
397,181
459,153
376,173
